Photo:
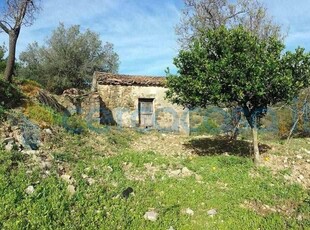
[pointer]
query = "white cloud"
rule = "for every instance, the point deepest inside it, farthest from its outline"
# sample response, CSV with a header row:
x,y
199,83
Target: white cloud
x,y
142,31
293,16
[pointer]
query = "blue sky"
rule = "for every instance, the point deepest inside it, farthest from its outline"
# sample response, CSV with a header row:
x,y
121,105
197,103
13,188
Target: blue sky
x,y
142,31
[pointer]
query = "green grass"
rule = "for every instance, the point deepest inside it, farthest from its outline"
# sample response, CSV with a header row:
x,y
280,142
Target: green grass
x,y
226,183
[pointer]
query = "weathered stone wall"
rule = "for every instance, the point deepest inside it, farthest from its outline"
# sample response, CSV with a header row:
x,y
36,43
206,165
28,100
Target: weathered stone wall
x,y
87,105
123,104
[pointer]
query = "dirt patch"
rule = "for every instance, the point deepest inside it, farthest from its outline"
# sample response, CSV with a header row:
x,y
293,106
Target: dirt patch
x,y
164,144
294,167
264,209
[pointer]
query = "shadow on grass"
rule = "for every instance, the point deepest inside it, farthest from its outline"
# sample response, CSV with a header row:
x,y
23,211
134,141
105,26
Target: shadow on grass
x,y
207,146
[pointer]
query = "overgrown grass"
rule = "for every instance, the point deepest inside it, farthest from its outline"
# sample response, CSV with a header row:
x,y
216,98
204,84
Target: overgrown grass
x,y
229,184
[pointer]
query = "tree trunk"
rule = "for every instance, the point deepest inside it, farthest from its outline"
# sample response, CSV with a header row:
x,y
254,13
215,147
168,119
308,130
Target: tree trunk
x,y
9,69
255,145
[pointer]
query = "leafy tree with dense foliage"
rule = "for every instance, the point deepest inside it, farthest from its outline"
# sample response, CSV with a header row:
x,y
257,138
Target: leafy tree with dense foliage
x,y
234,67
68,59
14,15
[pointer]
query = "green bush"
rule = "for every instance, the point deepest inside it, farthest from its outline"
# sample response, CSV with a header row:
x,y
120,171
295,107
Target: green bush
x,y
43,115
74,124
10,95
2,112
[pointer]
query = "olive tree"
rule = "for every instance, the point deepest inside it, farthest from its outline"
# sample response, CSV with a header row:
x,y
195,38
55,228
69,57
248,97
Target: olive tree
x,y
13,16
234,67
68,59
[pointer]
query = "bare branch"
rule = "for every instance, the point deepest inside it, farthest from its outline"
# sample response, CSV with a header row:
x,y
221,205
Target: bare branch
x,y
201,15
4,28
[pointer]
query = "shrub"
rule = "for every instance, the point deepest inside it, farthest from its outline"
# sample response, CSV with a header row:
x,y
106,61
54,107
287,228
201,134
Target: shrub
x,y
2,112
42,114
74,124
29,87
10,95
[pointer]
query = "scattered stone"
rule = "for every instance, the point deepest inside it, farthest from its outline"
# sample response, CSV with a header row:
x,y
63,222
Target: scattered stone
x,y
67,178
109,169
287,177
175,173
34,146
301,177
190,212
29,152
84,176
8,140
299,217
171,228
306,150
91,181
212,212
29,190
46,165
9,147
299,157
71,189
186,172
48,131
198,177
151,215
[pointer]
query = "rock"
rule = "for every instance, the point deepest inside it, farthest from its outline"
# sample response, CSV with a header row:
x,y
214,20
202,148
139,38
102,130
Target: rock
x,y
29,152
29,190
212,212
48,131
109,169
34,146
91,181
71,189
306,150
301,177
198,177
8,140
67,178
175,173
151,215
186,172
299,217
171,228
299,157
190,212
9,147
84,176
46,165
287,177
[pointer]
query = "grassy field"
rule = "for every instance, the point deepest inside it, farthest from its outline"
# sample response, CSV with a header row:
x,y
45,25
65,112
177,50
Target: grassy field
x,y
181,189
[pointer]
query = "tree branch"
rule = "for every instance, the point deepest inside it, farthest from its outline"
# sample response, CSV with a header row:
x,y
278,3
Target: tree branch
x,y
4,28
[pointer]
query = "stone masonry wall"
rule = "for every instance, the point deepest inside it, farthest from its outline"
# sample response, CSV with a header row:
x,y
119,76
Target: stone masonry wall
x,y
123,104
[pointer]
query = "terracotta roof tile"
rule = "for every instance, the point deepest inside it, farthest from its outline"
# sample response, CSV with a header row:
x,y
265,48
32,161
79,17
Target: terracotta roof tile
x,y
129,80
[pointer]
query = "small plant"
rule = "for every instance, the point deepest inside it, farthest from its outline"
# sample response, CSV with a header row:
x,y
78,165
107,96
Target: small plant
x,y
10,95
29,87
42,114
74,124
2,112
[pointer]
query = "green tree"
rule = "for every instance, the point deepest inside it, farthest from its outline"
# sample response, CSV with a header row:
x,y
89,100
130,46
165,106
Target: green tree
x,y
68,59
13,16
234,67
2,59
